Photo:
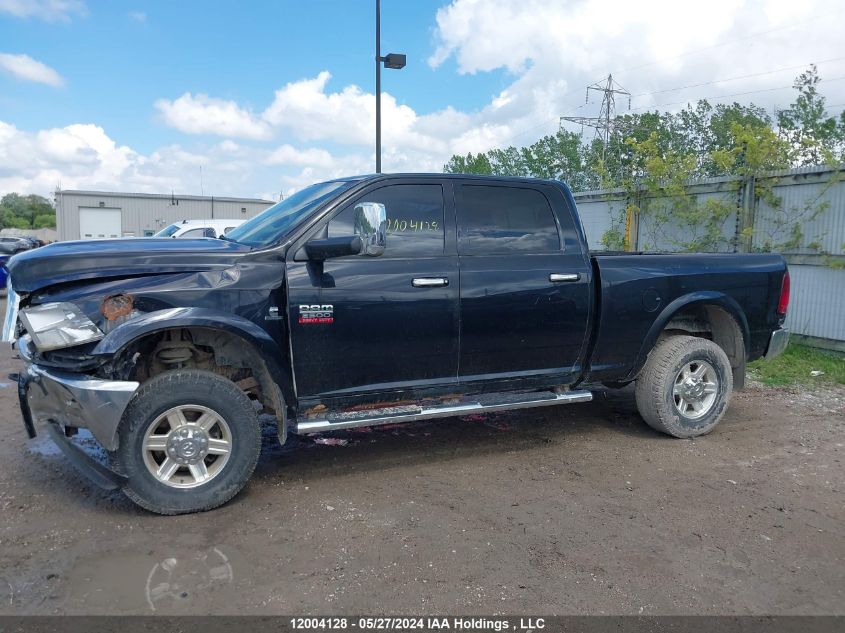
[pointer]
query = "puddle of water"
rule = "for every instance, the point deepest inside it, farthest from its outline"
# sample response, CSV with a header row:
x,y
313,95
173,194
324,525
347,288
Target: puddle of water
x,y
187,579
174,580
43,445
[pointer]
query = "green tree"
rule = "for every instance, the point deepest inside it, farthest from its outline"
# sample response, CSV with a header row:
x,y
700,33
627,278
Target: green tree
x,y
816,138
669,213
26,212
652,156
469,164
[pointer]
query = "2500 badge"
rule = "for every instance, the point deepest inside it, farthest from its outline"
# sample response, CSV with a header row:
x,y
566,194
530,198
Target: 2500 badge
x,y
317,313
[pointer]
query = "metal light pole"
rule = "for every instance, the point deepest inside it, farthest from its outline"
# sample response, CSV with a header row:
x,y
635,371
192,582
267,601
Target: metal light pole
x,y
391,60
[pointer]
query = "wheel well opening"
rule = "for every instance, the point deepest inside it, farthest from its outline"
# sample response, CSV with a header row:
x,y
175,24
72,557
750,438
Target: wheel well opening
x,y
714,323
213,350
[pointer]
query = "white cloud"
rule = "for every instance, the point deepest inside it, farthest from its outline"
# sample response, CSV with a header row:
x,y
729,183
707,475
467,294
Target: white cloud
x,y
554,49
202,114
551,51
48,10
138,16
310,129
84,156
311,112
574,34
74,154
290,156
28,69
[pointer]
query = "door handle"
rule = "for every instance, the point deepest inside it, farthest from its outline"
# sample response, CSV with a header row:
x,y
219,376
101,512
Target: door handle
x,y
564,276
429,282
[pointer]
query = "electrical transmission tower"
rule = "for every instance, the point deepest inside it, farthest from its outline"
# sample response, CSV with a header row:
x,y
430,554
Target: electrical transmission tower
x,y
605,122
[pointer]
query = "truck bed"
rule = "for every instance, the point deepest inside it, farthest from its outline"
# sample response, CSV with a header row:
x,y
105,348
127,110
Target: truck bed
x,y
636,294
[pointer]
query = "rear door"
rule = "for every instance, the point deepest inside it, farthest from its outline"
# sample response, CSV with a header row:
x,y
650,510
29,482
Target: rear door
x,y
361,325
525,284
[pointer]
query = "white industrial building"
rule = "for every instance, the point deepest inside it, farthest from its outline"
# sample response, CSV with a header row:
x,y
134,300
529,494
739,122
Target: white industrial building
x,y
86,215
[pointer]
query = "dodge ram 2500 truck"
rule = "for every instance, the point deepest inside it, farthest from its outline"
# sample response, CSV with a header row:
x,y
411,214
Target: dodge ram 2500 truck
x,y
362,301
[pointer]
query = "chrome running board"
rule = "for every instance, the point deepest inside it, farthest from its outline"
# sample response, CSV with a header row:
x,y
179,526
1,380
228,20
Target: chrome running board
x,y
337,420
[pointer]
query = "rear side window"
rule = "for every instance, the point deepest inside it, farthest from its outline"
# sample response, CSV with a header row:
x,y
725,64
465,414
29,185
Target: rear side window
x,y
414,219
495,220
198,233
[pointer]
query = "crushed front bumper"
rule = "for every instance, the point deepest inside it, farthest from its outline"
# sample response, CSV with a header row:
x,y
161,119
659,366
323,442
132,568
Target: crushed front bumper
x,y
777,343
69,399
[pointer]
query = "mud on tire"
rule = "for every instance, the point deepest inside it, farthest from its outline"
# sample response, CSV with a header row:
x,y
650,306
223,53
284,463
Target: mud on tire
x,y
672,399
167,420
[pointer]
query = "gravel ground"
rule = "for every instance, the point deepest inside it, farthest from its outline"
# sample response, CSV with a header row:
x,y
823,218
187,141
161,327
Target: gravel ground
x,y
573,509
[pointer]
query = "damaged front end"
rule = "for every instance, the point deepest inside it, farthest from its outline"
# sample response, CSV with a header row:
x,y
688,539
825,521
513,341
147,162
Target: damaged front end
x,y
59,389
72,399
93,322
63,402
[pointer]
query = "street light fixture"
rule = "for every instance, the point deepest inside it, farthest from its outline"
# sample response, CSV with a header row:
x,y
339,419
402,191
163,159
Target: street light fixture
x,y
395,61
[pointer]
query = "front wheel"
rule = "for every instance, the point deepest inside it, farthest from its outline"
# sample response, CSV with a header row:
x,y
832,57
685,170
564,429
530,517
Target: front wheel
x,y
685,386
189,441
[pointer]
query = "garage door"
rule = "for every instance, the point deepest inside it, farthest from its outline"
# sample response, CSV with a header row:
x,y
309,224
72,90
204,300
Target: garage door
x,y
99,224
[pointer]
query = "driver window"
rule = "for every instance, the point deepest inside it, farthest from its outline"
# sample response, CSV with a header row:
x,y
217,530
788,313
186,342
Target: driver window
x,y
414,219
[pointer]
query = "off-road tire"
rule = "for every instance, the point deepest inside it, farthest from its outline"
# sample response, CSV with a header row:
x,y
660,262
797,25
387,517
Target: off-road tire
x,y
172,389
655,383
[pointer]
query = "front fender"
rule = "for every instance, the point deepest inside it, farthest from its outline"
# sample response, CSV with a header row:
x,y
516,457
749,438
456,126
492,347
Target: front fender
x,y
703,297
170,318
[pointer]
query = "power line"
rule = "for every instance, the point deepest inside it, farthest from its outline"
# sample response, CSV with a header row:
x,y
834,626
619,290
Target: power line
x,y
569,114
735,94
555,118
539,125
605,122
718,81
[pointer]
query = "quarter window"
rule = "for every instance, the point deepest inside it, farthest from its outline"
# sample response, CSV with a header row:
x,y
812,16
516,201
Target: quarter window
x,y
414,219
494,220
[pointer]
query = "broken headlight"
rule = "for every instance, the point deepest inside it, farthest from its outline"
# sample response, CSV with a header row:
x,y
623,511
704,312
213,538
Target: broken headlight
x,y
57,325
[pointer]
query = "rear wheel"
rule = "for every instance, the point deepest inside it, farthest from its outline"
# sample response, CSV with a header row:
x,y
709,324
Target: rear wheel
x,y
685,386
189,441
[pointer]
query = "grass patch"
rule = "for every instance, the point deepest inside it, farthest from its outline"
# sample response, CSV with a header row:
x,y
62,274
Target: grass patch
x,y
795,365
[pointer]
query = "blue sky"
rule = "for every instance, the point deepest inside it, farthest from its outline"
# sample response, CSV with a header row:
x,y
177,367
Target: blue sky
x,y
118,57
267,96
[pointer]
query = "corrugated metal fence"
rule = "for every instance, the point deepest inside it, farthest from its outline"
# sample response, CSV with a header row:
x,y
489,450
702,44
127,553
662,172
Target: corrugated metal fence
x,y
813,198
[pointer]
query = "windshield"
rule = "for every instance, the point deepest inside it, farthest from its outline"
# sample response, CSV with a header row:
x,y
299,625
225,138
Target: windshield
x,y
167,232
268,227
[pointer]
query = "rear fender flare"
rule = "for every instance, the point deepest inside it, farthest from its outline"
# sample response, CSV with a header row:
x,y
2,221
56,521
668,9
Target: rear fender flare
x,y
705,297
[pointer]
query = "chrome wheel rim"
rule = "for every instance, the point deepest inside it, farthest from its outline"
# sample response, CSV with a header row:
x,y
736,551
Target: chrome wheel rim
x,y
695,389
187,446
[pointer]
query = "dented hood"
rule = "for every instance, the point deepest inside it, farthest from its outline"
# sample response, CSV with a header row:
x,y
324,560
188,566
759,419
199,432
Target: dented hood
x,y
62,262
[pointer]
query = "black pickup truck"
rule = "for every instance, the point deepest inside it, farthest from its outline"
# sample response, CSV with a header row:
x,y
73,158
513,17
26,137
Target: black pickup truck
x,y
362,301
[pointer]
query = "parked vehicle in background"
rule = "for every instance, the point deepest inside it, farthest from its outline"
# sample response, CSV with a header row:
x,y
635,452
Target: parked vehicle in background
x,y
9,245
34,241
199,228
362,301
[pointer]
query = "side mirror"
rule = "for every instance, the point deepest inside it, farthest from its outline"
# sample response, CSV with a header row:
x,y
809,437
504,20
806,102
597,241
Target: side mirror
x,y
371,227
323,249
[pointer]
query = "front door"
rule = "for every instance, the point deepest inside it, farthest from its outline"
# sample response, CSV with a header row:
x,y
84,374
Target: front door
x,y
362,325
525,296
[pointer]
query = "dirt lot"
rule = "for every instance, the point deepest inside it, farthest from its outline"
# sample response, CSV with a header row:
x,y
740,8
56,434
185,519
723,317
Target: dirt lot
x,y
575,509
